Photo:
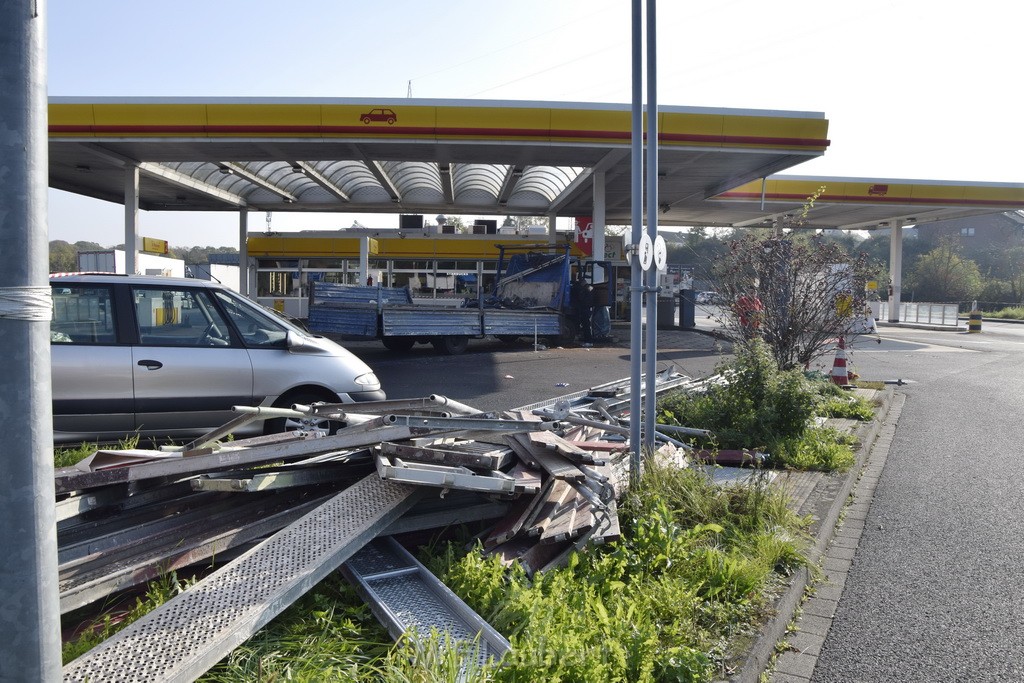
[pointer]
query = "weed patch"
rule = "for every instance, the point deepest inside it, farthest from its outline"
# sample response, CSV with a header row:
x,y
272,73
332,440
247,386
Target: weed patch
x,y
764,408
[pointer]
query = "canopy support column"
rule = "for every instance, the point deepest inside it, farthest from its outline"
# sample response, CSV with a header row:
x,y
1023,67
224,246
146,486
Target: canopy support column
x,y
895,269
364,259
598,227
131,219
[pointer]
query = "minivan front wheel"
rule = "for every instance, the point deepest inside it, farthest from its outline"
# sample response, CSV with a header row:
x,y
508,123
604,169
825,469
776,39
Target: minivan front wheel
x,y
305,424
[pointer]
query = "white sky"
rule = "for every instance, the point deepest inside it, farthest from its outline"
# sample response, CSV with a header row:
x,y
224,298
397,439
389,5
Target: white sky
x,y
913,89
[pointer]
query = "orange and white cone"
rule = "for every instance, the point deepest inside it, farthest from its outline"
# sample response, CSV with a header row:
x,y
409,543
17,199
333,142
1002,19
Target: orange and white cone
x,y
840,375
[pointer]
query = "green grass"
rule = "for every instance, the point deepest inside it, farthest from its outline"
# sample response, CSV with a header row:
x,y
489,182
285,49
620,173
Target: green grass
x,y
70,456
1012,313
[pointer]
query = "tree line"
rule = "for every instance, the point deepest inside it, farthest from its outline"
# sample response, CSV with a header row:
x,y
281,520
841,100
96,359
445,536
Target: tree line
x,y
940,269
64,255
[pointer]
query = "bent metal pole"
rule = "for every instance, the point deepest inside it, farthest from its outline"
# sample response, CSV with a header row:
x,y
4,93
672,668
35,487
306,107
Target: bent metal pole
x,y
30,620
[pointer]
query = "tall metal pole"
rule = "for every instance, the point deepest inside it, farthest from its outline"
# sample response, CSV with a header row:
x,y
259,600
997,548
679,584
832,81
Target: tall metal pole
x,y
652,220
30,618
636,274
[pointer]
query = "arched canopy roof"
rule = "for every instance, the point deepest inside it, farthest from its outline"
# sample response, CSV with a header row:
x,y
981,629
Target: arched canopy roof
x,y
476,158
422,156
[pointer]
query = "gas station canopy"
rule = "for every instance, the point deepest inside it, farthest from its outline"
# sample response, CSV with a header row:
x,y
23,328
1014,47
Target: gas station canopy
x,y
475,158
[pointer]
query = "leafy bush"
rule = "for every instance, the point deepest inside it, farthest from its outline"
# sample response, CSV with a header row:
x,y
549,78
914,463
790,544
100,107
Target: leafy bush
x,y
1012,313
758,406
764,408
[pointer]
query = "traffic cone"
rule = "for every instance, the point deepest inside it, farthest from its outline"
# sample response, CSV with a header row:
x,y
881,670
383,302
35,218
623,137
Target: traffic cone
x,y
840,375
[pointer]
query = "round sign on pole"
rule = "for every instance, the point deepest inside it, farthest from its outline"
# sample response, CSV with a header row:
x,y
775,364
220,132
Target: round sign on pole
x,y
660,253
646,252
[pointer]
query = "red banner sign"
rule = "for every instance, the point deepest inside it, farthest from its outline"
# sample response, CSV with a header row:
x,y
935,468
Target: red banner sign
x,y
584,234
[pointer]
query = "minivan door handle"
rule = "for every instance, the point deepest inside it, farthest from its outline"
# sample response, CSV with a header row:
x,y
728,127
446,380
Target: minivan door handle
x,y
151,364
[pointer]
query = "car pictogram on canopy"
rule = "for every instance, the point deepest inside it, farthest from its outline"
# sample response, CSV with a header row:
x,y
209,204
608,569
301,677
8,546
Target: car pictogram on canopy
x,y
379,114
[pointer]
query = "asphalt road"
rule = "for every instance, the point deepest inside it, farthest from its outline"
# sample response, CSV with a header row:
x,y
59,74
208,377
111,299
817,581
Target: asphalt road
x,y
936,590
494,376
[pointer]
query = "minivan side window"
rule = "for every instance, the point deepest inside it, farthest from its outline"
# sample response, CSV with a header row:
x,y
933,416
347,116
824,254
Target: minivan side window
x,y
82,315
258,329
178,317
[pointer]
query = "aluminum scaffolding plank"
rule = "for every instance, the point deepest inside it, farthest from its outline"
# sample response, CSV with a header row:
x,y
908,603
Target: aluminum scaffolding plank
x,y
405,597
186,636
441,476
492,458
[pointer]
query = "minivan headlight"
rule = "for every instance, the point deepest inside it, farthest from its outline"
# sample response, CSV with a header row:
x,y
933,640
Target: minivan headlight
x,y
367,380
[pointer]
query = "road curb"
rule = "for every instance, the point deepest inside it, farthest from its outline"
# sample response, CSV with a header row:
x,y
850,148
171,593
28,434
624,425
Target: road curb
x,y
833,499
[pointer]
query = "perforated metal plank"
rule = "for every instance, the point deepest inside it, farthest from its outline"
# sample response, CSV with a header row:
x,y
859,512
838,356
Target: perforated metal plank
x,y
187,635
404,596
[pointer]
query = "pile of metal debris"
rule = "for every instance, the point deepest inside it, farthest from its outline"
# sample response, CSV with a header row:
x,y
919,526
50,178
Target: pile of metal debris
x,y
279,513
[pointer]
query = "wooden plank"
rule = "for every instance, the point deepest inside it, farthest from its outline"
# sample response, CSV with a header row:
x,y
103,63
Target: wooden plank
x,y
566,449
518,515
559,496
528,480
555,464
570,521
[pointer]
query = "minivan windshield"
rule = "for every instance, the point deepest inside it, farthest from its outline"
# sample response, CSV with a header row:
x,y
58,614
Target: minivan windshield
x,y
258,329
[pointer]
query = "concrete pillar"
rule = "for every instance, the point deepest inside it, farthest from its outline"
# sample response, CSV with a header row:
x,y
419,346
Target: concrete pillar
x,y
364,259
131,219
552,229
598,225
895,269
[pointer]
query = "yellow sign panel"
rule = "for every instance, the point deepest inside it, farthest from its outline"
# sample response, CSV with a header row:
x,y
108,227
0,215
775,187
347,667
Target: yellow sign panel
x,y
871,285
154,246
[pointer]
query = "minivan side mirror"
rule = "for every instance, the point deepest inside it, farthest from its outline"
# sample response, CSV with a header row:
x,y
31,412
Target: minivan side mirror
x,y
295,341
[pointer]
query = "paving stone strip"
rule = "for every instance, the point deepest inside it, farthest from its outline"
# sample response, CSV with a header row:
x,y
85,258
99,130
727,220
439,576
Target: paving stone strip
x,y
836,531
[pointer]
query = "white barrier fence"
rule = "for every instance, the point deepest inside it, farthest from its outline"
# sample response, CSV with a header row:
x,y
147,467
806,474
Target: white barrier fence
x,y
930,314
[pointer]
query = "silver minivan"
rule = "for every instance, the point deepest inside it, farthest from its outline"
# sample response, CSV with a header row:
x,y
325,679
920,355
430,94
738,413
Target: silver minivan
x,y
168,358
